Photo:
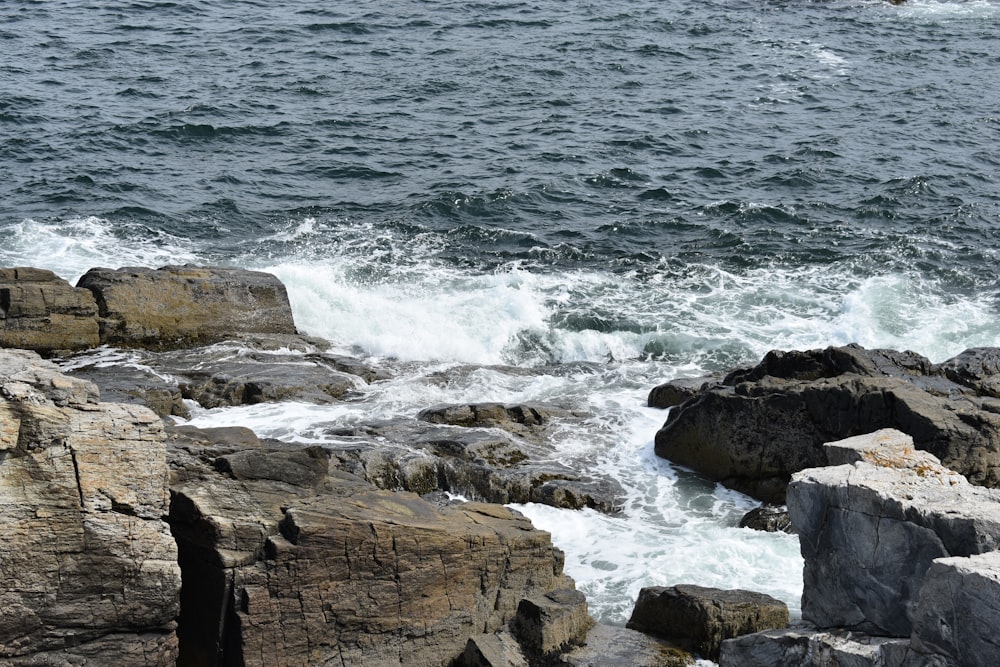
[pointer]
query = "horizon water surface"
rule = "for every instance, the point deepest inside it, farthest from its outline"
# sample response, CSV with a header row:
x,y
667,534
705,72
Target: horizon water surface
x,y
515,201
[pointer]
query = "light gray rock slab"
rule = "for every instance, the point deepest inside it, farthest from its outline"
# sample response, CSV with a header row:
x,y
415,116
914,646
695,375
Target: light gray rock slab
x,y
958,614
856,521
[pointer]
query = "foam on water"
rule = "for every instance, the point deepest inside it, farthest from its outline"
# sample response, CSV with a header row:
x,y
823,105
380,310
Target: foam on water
x,y
74,245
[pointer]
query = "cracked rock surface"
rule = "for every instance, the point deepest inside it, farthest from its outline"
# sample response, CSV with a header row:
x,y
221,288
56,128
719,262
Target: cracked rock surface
x,y
89,566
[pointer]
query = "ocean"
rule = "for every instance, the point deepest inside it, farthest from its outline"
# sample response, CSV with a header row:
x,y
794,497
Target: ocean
x,y
533,201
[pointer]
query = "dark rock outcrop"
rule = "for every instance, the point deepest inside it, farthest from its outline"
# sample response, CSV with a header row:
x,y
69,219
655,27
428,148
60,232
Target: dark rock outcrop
x,y
699,619
184,306
755,428
40,311
89,566
768,518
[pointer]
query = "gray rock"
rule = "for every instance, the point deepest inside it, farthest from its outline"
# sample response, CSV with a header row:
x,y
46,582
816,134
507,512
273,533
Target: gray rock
x,y
40,311
958,612
855,520
805,646
610,646
699,619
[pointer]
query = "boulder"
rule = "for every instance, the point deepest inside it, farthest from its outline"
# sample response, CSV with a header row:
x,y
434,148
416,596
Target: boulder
x,y
676,391
806,646
40,311
523,419
958,611
768,518
89,566
757,426
855,520
185,306
699,619
286,562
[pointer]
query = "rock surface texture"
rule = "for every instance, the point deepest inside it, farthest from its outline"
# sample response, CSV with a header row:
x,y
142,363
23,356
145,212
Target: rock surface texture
x,y
757,426
699,619
286,563
40,311
184,306
89,568
901,563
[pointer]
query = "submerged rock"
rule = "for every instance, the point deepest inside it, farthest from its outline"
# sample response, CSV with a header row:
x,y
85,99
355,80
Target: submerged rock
x,y
479,463
758,426
768,518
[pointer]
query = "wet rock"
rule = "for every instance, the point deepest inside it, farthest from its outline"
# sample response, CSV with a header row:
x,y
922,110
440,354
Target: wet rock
x,y
675,392
855,520
549,624
478,463
40,311
699,619
185,306
758,426
609,646
90,569
135,384
523,419
768,518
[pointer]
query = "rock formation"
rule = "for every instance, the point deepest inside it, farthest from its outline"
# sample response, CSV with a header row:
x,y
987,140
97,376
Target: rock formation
x,y
901,563
757,426
89,567
184,306
40,311
699,619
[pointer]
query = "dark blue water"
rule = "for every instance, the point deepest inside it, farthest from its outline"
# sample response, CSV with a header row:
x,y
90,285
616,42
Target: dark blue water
x,y
620,134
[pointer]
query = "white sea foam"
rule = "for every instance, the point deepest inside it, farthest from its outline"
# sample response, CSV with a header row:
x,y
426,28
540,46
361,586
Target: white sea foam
x,y
72,246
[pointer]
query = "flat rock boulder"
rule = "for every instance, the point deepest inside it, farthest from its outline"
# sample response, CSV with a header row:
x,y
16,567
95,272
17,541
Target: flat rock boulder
x,y
757,426
89,567
185,306
698,619
40,311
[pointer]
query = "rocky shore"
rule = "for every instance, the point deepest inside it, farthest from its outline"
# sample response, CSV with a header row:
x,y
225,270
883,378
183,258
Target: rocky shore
x,y
132,540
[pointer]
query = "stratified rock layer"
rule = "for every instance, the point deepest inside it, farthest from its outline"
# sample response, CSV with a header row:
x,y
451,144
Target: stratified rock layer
x,y
184,306
287,563
89,568
40,311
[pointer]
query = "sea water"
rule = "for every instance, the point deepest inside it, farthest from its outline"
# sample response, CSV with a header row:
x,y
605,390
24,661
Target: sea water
x,y
533,201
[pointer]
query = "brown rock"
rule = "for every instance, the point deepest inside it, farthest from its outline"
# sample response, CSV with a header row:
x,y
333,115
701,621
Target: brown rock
x,y
284,565
699,619
89,568
184,306
40,311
